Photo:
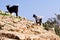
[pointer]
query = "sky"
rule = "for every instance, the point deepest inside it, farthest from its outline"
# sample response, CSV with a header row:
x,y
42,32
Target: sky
x,y
44,8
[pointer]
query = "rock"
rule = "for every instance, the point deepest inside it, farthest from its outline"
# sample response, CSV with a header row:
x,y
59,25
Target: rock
x,y
15,28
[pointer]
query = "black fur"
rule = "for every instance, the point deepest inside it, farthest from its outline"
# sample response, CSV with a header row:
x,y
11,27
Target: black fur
x,y
12,9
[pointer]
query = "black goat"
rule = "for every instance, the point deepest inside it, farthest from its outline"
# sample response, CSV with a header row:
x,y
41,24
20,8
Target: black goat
x,y
37,19
12,9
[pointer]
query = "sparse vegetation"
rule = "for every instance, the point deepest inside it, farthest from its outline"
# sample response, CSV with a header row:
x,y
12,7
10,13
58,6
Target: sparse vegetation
x,y
4,14
51,22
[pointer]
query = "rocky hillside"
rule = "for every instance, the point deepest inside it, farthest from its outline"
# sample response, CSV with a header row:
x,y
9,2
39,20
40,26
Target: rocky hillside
x,y
19,28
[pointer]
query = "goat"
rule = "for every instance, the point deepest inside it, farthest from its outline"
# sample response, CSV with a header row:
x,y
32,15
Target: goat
x,y
37,19
12,9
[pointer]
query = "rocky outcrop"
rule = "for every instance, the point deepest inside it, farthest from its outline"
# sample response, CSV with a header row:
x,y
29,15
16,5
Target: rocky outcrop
x,y
19,28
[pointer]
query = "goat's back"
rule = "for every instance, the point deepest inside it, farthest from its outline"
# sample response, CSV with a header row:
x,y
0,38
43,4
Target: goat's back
x,y
14,8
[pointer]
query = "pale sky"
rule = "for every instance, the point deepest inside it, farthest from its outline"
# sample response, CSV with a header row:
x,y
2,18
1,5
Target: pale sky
x,y
45,8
